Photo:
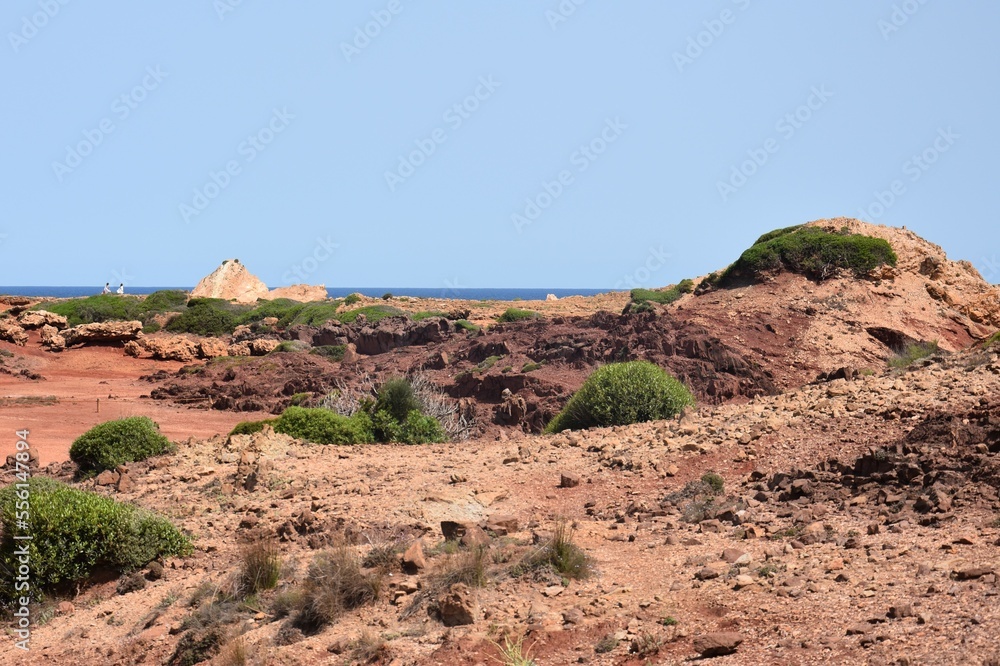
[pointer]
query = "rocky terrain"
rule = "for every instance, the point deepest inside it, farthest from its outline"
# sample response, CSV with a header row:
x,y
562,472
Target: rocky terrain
x,y
817,506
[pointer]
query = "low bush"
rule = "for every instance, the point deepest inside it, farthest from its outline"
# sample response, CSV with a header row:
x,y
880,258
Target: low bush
x,y
914,352
530,367
208,317
427,314
467,326
291,347
282,309
372,313
333,585
250,427
397,397
164,300
311,314
351,299
516,314
811,251
260,568
560,554
74,532
113,443
332,352
421,428
714,481
103,307
325,427
623,393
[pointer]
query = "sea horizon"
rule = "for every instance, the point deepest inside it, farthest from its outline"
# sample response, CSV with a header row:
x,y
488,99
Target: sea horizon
x,y
463,293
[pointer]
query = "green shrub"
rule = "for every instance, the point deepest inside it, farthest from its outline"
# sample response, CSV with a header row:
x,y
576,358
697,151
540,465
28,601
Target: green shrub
x,y
466,325
427,314
74,532
290,347
560,554
685,286
113,443
282,309
352,299
250,427
208,317
324,427
812,252
771,235
623,393
912,353
515,314
332,352
151,327
165,300
714,481
422,429
487,363
992,340
398,398
387,296
385,427
103,307
372,313
530,367
311,314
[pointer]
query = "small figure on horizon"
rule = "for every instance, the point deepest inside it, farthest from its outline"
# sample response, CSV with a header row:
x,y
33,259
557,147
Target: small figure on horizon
x,y
107,288
121,288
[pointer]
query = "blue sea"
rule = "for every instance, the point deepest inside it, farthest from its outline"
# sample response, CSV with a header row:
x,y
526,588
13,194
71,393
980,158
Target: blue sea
x,y
490,294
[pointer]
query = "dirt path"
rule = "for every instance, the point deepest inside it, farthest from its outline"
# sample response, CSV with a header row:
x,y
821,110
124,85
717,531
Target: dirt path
x,y
76,379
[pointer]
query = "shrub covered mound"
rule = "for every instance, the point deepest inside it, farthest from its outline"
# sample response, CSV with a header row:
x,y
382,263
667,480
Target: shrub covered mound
x,y
74,532
250,427
113,443
665,296
516,314
620,394
325,427
812,252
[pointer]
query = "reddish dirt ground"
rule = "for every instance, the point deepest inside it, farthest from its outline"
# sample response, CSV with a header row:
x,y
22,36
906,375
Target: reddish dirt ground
x,y
77,379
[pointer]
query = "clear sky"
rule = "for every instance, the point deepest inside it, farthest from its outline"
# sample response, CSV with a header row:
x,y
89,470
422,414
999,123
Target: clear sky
x,y
483,144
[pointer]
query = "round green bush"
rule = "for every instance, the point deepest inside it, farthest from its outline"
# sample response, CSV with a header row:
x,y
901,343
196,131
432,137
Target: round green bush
x,y
75,532
325,427
398,398
623,393
250,427
113,443
204,318
422,429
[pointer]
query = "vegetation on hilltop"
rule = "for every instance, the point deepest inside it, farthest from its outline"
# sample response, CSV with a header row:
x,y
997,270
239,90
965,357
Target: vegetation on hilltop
x,y
810,251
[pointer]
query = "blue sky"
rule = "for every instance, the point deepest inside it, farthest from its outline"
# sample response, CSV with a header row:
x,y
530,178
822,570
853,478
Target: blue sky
x,y
482,144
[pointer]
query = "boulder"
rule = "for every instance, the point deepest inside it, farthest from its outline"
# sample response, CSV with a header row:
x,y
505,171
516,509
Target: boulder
x,y
239,349
231,281
212,347
170,348
39,318
103,332
413,559
458,606
263,346
51,338
11,332
717,644
303,293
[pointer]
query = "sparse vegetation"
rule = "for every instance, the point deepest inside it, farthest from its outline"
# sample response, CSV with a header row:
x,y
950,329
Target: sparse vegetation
x,y
332,352
103,307
530,367
291,347
664,296
714,481
513,653
516,314
427,314
260,567
992,340
467,326
369,648
606,644
114,443
372,313
623,393
560,554
487,363
324,427
912,353
207,316
351,299
74,532
334,584
250,427
813,252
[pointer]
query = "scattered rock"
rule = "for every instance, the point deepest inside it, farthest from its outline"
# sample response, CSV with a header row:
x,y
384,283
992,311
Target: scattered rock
x,y
717,644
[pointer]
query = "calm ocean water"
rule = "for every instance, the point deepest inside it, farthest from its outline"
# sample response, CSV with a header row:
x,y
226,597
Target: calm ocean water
x,y
499,294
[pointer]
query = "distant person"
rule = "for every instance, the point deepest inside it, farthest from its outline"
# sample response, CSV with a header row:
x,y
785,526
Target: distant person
x,y
121,288
107,288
